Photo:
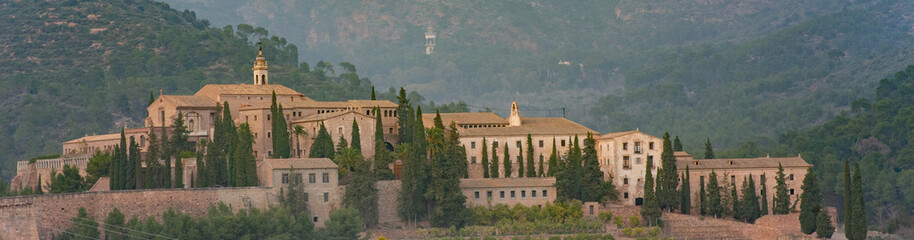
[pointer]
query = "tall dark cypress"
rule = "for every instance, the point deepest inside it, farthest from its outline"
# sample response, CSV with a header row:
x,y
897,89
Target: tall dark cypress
x,y
714,205
381,154
405,115
372,94
531,168
848,201
520,162
859,227
702,197
763,195
650,210
686,191
736,209
280,138
781,201
166,153
750,208
493,171
677,145
591,183
356,142
553,160
507,163
667,179
322,147
810,202
132,168
709,151
114,169
152,162
485,158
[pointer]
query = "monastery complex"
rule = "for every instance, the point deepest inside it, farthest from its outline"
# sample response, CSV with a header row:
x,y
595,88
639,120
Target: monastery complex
x,y
622,155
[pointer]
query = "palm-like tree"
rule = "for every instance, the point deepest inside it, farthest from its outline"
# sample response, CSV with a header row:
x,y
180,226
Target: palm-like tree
x,y
347,159
299,132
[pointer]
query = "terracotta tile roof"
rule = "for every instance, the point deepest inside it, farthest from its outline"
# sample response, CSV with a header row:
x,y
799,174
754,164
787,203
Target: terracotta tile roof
x,y
325,116
617,134
212,91
742,163
351,104
189,101
506,182
300,163
110,136
464,118
532,126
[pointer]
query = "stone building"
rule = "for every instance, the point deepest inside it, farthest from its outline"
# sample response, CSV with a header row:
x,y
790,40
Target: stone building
x,y
509,191
734,170
318,175
624,156
497,131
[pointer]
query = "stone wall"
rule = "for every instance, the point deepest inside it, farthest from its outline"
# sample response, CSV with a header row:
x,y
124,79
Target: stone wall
x,y
387,202
48,212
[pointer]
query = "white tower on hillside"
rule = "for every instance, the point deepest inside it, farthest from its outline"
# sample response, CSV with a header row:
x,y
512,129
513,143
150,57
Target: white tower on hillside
x,y
261,70
430,39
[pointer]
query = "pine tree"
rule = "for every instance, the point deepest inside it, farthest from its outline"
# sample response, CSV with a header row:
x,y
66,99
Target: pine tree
x,y
553,161
531,168
114,225
361,193
709,151
356,139
507,163
737,213
858,216
714,206
520,162
485,158
749,202
781,201
677,145
667,179
686,191
591,178
824,228
322,147
179,136
493,171
650,210
444,190
702,197
764,195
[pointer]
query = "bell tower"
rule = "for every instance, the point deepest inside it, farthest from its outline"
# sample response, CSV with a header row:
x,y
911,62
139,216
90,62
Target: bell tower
x,y
514,118
430,40
261,70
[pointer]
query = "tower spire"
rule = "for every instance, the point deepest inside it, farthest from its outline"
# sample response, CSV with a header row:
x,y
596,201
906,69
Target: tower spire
x,y
261,70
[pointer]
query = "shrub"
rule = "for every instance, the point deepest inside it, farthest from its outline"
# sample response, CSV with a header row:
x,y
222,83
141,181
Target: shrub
x,y
619,222
634,220
606,216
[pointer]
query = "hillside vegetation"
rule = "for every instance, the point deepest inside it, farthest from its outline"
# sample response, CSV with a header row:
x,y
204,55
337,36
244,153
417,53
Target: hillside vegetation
x,y
72,68
696,68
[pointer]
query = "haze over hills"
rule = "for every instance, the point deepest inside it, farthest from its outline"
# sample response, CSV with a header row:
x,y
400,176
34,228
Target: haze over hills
x,y
694,68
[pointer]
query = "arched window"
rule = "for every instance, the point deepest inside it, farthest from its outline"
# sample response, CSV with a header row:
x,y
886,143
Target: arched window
x,y
263,79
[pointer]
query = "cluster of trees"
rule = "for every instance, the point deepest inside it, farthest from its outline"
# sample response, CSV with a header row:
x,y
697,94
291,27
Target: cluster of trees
x,y
228,160
578,176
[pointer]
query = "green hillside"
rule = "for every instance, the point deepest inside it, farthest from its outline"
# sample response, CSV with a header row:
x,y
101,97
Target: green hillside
x,y
72,68
729,70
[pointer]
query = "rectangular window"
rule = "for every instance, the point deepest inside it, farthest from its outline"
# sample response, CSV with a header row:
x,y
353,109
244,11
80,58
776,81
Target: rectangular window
x,y
518,143
312,178
472,145
513,194
791,176
315,219
533,193
268,117
501,194
637,160
545,193
625,146
637,147
473,160
306,197
495,144
650,158
326,197
476,194
340,130
285,178
624,180
326,177
563,142
791,191
390,131
489,194
650,145
523,193
626,162
591,209
626,195
541,143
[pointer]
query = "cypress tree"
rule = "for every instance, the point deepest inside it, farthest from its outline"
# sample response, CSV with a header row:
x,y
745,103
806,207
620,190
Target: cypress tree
x,y
737,213
848,201
372,94
179,136
709,151
133,165
667,179
810,202
444,190
764,195
569,180
405,123
650,210
591,183
714,205
152,99
485,158
824,229
246,169
507,162
437,121
677,145
381,154
280,131
38,188
686,190
702,197
458,151
493,172
531,168
152,162
167,151
356,139
553,161
179,172
858,216
781,201
201,180
749,202
520,162
541,171
361,193
322,147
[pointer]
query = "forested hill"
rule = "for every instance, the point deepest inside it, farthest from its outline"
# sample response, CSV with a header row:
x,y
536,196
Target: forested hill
x,y
728,70
71,68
